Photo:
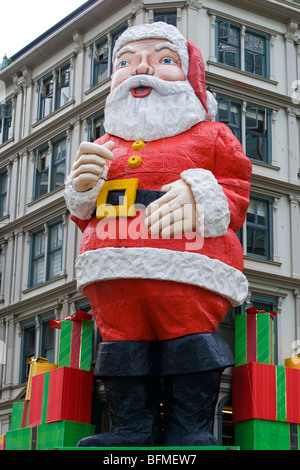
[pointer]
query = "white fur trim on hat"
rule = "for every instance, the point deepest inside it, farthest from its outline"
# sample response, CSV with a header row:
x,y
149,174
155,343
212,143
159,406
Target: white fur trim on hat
x,y
159,30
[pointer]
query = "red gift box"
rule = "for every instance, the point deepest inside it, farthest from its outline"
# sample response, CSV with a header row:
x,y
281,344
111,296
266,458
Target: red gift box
x,y
254,392
265,391
293,395
61,394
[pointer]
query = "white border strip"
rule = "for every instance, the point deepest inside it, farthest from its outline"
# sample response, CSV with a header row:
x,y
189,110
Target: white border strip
x,y
162,264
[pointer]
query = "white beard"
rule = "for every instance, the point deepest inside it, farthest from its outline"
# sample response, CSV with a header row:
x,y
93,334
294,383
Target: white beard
x,y
170,108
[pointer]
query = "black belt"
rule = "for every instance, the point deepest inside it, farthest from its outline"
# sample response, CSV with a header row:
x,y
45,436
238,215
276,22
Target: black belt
x,y
144,197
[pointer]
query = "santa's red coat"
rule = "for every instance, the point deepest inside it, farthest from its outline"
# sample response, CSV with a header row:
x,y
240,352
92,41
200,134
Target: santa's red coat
x,y
129,306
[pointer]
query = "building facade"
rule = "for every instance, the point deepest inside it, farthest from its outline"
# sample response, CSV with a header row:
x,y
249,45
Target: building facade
x,y
52,96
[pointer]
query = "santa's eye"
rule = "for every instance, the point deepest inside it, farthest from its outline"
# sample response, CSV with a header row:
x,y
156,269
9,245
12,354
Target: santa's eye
x,y
123,63
167,60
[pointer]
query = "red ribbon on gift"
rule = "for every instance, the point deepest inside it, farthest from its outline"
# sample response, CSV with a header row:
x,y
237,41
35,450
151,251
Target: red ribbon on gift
x,y
80,315
254,310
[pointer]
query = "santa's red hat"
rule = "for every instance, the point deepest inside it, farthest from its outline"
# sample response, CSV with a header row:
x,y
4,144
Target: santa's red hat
x,y
190,55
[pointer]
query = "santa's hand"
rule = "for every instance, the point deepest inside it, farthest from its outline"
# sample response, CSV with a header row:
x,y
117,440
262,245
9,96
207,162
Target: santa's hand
x,y
174,213
89,164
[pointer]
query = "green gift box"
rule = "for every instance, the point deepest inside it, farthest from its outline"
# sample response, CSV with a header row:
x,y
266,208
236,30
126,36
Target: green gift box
x,y
18,439
62,434
259,434
254,337
19,417
76,340
47,436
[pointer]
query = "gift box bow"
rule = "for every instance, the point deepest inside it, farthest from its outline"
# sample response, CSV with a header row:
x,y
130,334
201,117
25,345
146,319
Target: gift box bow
x,y
80,315
254,310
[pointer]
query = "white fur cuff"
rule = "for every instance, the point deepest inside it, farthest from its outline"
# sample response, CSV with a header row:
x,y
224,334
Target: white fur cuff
x,y
81,204
208,195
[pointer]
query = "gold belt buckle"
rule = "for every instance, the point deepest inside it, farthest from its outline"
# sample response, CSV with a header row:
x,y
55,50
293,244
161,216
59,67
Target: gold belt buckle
x,y
127,209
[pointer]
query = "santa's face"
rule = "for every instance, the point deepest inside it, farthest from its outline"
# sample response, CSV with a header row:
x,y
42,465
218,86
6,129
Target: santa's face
x,y
155,57
150,96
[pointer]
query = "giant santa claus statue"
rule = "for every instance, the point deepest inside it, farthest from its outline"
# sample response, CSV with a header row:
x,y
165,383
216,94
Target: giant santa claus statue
x,y
159,199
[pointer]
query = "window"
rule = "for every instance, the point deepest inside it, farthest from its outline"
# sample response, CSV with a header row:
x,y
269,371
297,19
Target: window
x,y
100,63
258,126
3,192
168,16
5,122
45,348
248,52
96,127
55,247
62,86
28,348
47,343
256,54
46,253
228,44
50,167
46,97
229,112
101,52
259,228
255,130
54,91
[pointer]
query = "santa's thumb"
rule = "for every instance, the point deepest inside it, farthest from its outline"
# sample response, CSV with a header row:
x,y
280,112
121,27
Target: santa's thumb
x,y
109,145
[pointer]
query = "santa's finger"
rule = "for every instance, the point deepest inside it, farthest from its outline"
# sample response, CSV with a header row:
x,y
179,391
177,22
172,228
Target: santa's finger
x,y
104,151
89,159
88,168
154,206
85,181
160,212
178,227
165,221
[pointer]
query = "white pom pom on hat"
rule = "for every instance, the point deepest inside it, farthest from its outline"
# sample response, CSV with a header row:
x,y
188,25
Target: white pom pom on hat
x,y
190,55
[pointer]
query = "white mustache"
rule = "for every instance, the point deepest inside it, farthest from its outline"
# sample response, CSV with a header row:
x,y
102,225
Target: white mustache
x,y
162,87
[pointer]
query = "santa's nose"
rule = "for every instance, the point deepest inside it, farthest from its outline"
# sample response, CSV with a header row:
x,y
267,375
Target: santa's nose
x,y
144,68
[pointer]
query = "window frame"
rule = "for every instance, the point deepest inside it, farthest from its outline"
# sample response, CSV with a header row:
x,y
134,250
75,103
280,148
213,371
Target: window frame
x,y
267,228
91,126
59,86
109,39
165,13
5,122
266,55
25,328
44,325
3,192
52,165
236,129
237,47
267,157
43,96
46,254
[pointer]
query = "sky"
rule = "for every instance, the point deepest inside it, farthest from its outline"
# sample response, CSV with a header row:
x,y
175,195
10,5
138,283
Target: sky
x,y
23,21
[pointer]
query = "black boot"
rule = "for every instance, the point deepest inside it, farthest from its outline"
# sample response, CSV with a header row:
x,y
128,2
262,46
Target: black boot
x,y
192,366
189,407
134,409
128,370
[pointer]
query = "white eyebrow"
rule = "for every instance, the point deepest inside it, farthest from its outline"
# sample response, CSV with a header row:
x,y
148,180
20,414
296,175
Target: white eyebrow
x,y
167,45
123,50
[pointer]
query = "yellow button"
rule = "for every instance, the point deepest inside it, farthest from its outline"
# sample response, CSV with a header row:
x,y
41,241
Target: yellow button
x,y
138,145
134,161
